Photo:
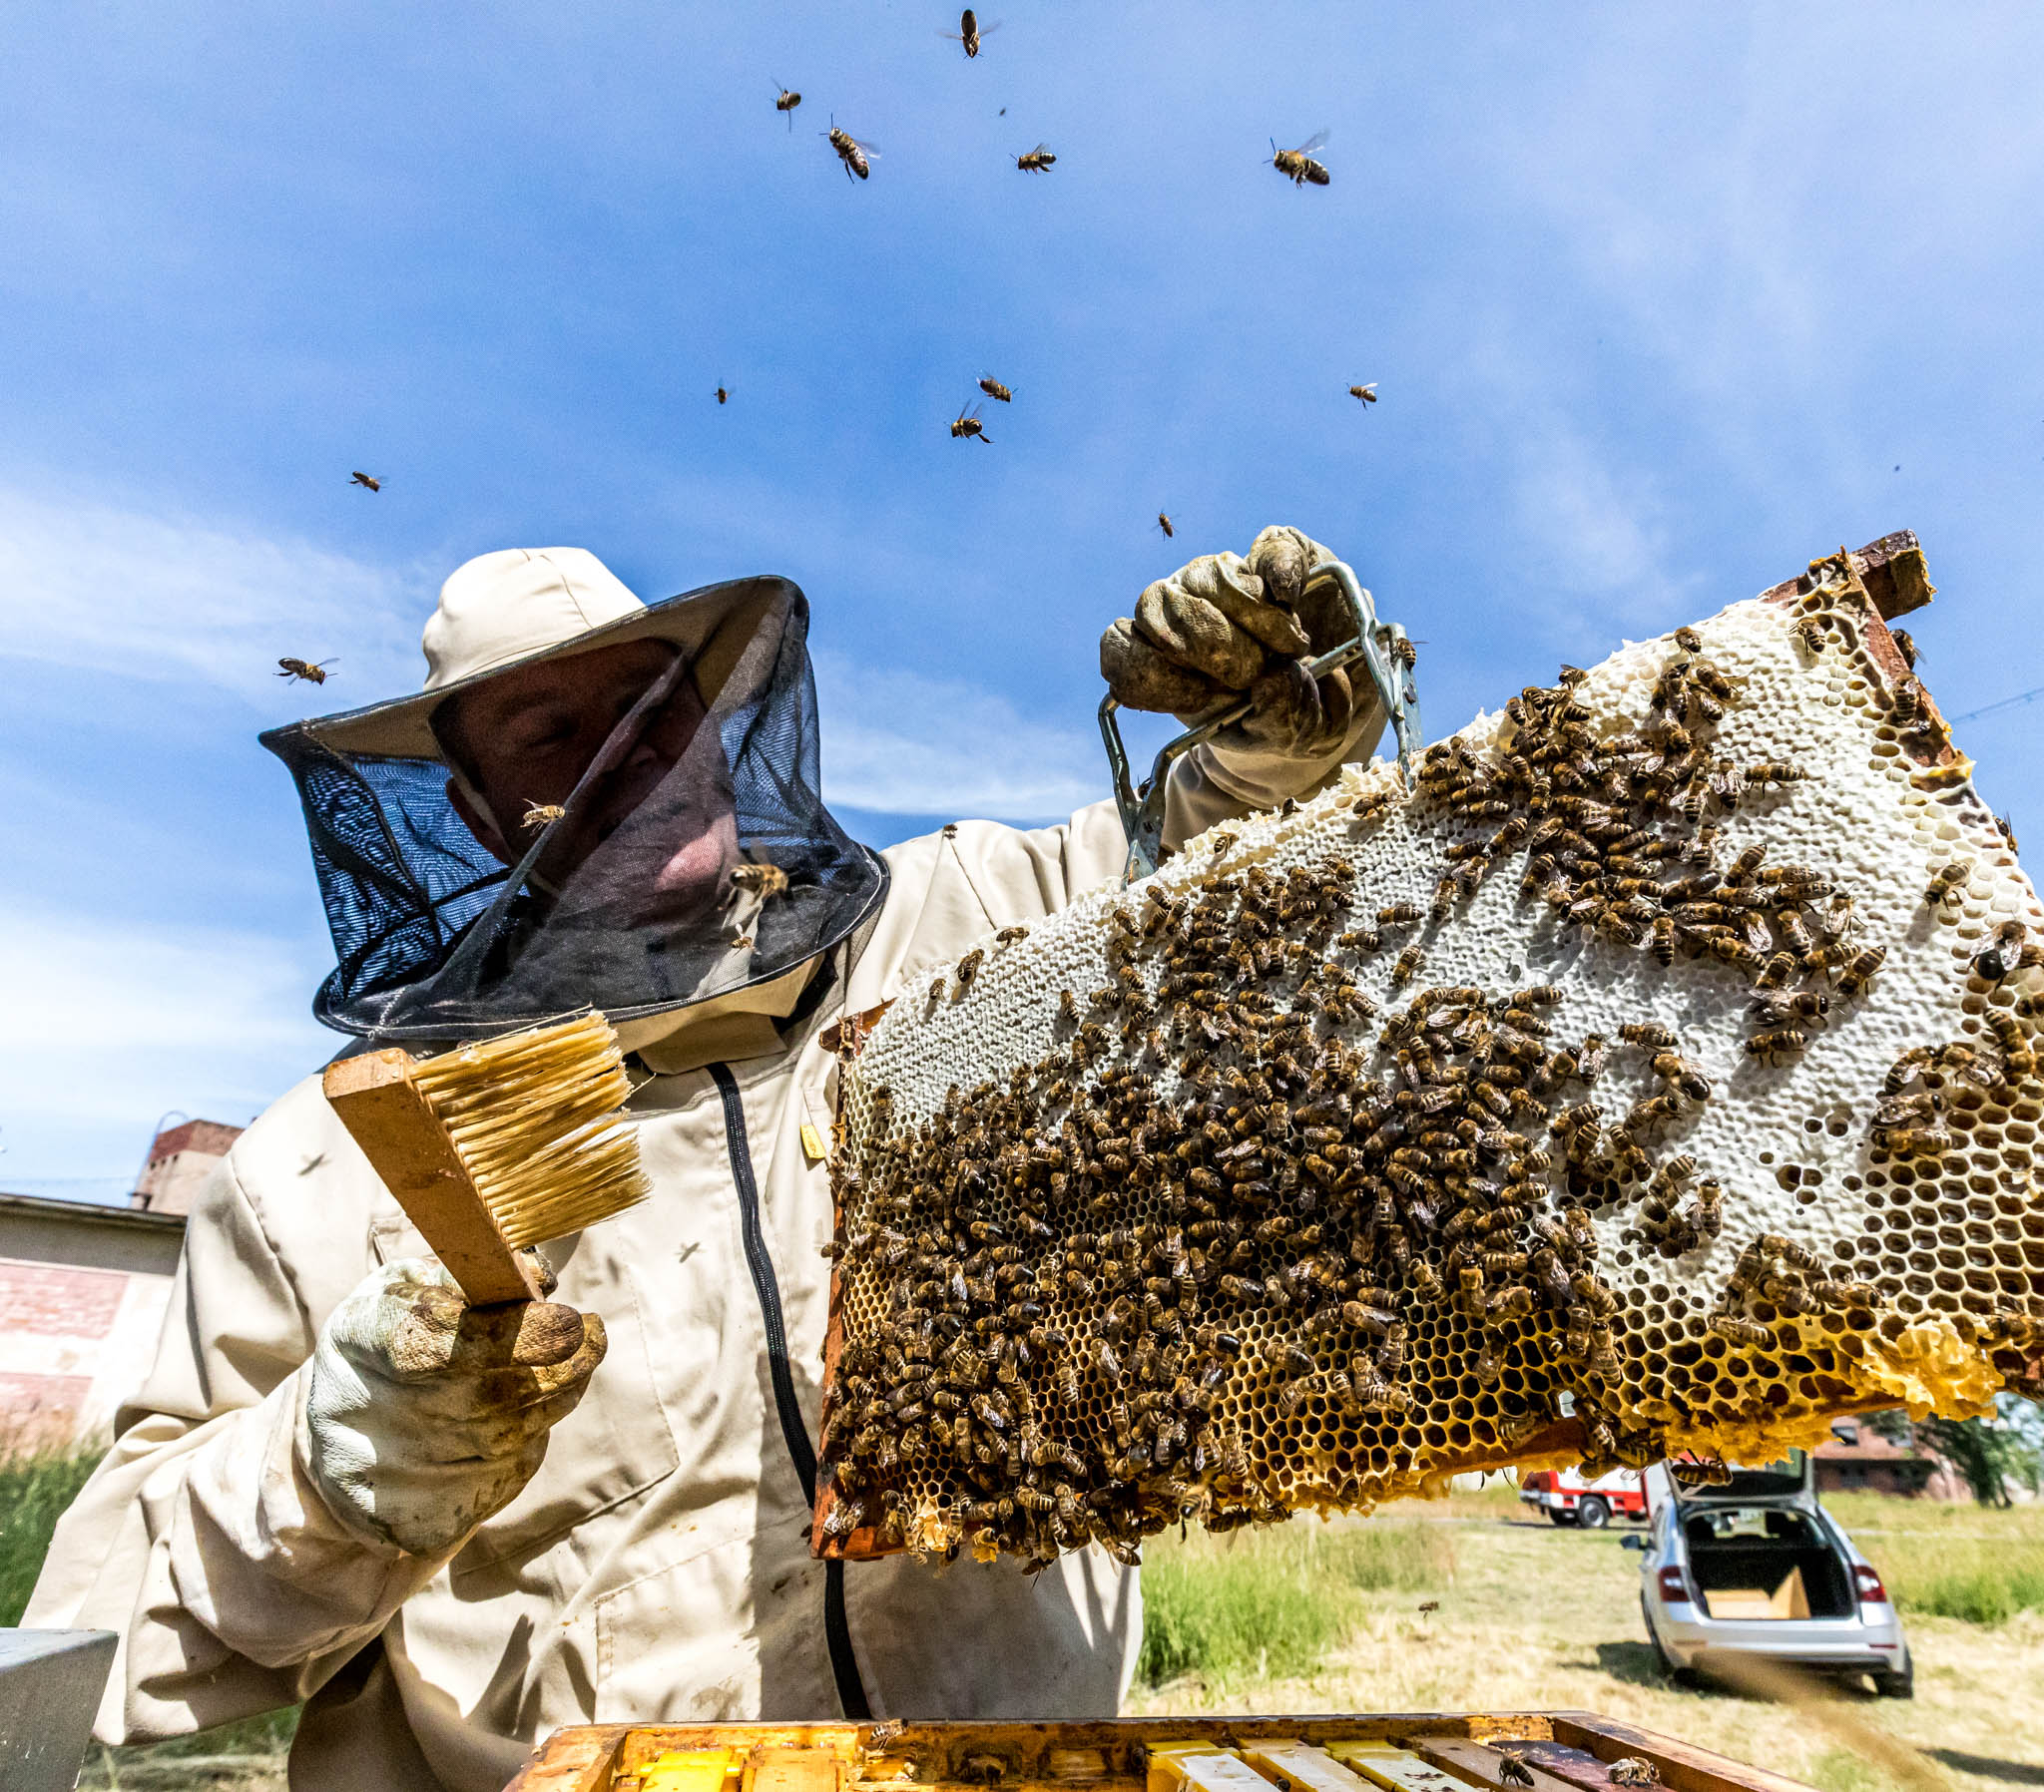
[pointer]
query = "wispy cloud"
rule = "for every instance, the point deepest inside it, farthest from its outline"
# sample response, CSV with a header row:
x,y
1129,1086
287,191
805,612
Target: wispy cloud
x,y
157,597
112,1025
900,743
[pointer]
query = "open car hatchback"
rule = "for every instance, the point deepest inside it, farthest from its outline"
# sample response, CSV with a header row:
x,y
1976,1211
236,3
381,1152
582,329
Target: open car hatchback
x,y
1758,1568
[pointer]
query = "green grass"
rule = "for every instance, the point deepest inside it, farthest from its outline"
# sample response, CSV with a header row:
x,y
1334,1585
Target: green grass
x,y
34,1491
1272,1603
1942,1559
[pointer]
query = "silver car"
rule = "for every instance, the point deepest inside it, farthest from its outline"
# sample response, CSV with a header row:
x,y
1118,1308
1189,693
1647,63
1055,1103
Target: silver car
x,y
1758,1568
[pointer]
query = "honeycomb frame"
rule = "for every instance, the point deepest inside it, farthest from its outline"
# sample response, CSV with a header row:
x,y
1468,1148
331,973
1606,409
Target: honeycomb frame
x,y
1263,1185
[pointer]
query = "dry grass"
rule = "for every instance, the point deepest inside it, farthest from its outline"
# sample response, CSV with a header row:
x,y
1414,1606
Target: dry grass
x,y
1537,1618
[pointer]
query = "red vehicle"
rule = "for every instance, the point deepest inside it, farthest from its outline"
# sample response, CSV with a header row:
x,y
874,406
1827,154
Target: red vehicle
x,y
1568,1499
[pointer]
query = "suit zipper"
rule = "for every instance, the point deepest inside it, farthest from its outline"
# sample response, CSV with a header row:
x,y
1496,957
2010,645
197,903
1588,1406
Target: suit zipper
x,y
851,1695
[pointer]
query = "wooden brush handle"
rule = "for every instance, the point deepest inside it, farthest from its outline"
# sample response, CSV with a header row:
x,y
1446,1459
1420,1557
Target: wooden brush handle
x,y
407,1147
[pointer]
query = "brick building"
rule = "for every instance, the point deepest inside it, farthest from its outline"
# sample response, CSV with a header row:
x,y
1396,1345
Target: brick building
x,y
83,1289
1858,1459
180,1161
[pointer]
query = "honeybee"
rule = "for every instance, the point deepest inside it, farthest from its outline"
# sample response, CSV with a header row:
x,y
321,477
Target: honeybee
x,y
1368,393
311,672
1803,1005
365,481
538,814
994,389
1859,970
1776,771
1038,161
1671,1066
968,966
971,33
1995,960
1408,966
1710,1199
1299,166
1776,972
1647,1032
1222,841
787,100
857,155
1511,1771
755,875
1663,939
722,394
1808,630
1164,523
1945,879
1916,1141
1590,1057
1772,1044
1742,1331
967,425
1743,866
1399,914
1689,640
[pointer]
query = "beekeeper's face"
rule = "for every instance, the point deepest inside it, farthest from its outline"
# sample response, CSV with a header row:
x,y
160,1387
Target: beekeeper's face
x,y
525,738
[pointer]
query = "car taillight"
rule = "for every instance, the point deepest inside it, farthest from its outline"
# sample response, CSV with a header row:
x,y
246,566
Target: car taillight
x,y
1866,1583
1675,1586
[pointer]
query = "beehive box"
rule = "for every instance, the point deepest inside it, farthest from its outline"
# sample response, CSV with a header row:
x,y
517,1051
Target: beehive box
x,y
1652,1076
1555,1751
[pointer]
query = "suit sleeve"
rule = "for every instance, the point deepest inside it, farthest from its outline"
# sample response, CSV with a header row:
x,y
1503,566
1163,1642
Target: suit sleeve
x,y
201,1540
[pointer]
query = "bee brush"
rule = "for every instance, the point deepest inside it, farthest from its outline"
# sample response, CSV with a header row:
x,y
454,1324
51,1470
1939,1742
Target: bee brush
x,y
497,1146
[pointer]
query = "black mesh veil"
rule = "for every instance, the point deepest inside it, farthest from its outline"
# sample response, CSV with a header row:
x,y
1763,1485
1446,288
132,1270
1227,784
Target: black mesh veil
x,y
437,939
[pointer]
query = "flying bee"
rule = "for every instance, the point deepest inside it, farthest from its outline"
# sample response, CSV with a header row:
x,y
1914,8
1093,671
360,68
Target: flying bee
x,y
856,157
1164,523
365,481
312,672
1905,644
1299,166
1995,960
1368,394
970,32
1808,631
994,389
1772,1044
538,814
967,425
1647,1032
787,100
1038,161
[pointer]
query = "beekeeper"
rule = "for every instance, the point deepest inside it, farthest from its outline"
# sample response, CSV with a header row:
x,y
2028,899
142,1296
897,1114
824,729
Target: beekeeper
x,y
330,1490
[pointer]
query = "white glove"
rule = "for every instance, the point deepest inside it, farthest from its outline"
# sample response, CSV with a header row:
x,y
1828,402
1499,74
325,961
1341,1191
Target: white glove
x,y
423,1415
1223,626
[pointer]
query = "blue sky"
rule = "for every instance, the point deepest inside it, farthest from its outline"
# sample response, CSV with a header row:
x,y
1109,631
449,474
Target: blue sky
x,y
1661,301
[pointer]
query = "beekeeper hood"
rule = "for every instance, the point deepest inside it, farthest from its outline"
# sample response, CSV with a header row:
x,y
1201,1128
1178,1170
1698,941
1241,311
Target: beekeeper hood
x,y
438,937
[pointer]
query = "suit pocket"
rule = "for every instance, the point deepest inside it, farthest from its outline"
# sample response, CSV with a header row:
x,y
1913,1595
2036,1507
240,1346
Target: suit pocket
x,y
613,1445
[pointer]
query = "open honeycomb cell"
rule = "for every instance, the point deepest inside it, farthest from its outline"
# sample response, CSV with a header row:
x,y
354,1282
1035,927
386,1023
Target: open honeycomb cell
x,y
1655,1073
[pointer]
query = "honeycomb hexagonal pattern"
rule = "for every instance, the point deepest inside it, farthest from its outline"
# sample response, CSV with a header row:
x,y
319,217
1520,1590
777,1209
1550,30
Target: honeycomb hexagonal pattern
x,y
1655,1073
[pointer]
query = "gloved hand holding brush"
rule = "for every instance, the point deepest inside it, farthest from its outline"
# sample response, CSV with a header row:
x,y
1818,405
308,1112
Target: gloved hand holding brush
x,y
421,1414
1222,627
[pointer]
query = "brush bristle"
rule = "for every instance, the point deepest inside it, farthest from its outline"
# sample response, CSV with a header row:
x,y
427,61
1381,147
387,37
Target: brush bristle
x,y
534,1120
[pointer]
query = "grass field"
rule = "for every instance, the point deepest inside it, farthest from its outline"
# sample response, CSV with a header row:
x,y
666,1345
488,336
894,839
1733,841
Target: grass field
x,y
1532,1618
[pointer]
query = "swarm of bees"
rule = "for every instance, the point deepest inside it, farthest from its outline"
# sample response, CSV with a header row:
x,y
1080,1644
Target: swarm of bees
x,y
1215,1245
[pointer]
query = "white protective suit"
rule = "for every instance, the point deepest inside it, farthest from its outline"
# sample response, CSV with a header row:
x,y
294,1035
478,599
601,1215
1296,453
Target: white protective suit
x,y
657,1566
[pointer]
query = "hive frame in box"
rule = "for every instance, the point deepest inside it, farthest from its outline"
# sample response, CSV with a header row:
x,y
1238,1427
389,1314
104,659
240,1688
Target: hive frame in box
x,y
1858,592
1559,1751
